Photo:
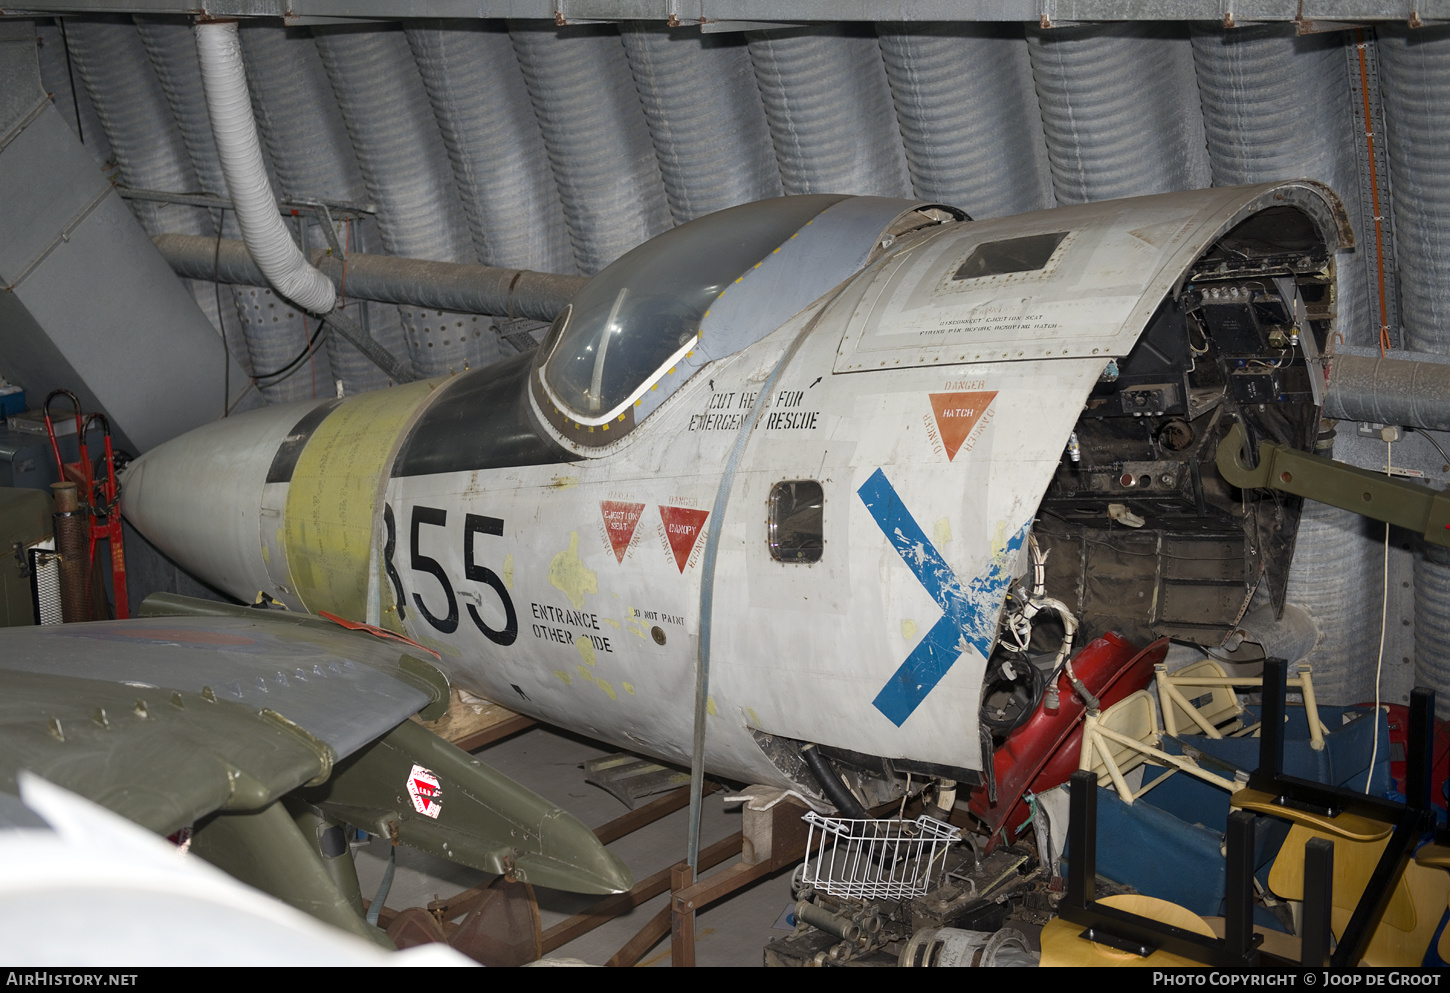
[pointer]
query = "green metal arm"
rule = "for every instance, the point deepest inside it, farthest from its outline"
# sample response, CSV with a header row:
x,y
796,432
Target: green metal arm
x,y
1383,498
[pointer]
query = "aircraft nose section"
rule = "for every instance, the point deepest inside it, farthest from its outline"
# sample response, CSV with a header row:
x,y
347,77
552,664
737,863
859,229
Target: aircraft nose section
x,y
198,498
568,856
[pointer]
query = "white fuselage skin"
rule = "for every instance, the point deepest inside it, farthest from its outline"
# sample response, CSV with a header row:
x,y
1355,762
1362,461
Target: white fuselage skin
x,y
608,629
931,408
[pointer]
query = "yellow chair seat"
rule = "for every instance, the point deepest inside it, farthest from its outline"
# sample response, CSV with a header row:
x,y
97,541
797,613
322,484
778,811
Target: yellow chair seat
x,y
1063,944
1349,826
1414,911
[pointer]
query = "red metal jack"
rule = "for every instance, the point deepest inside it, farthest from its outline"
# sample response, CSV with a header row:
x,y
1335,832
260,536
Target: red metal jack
x,y
101,496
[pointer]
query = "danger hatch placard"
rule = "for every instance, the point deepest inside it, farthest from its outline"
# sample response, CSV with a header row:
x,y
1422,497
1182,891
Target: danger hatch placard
x,y
426,792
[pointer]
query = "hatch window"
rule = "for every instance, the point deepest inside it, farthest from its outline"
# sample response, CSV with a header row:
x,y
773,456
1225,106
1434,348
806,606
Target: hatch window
x,y
1000,258
797,524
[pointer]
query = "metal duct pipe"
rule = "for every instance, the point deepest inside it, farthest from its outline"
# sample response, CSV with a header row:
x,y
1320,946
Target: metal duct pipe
x,y
1120,110
388,279
112,62
1432,620
240,151
1293,636
73,102
1415,80
705,118
405,166
1266,117
494,144
969,116
1332,588
829,107
271,247
1401,388
594,128
312,155
171,46
1276,106
253,323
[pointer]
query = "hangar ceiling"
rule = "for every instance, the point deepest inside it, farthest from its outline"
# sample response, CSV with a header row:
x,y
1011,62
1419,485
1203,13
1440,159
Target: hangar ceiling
x,y
554,135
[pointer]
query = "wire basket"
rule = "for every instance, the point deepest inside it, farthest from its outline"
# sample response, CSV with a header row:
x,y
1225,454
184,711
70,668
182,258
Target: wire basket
x,y
875,860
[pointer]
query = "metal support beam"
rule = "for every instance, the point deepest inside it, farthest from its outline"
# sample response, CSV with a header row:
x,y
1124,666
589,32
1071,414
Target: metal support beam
x,y
1404,504
1318,902
740,15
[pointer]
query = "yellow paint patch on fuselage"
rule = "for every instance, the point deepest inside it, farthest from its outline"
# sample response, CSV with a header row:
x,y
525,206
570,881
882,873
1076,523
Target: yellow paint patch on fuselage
x,y
943,531
606,687
628,688
508,571
908,629
999,546
336,487
564,482
568,574
710,706
586,649
563,676
610,621
266,555
584,673
754,717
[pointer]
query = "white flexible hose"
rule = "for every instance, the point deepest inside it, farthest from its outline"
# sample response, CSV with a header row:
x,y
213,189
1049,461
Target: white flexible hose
x,y
230,105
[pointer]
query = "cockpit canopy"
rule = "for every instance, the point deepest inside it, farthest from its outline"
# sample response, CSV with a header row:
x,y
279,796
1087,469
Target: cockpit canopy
x,y
642,327
642,314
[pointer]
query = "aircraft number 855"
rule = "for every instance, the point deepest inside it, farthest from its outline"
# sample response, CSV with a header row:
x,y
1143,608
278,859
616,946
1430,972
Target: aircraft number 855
x,y
473,524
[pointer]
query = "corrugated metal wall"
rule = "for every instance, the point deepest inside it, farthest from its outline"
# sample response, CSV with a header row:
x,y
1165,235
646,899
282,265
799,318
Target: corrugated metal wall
x,y
525,144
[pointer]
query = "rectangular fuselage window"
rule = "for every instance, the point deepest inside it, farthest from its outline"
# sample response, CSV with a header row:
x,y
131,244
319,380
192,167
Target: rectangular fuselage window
x,y
797,531
999,258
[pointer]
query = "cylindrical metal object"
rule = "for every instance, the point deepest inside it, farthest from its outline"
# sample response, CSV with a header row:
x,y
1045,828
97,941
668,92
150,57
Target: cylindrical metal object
x,y
235,129
951,947
1276,106
1415,86
1415,80
1120,109
957,89
405,167
312,156
477,90
72,541
472,289
823,920
828,104
705,118
1415,392
594,128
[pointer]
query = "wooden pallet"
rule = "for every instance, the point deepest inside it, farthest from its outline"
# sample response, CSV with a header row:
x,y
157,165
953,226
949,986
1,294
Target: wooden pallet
x,y
474,722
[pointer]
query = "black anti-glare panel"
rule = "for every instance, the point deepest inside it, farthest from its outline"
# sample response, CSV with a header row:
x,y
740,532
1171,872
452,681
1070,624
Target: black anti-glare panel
x,y
481,421
285,461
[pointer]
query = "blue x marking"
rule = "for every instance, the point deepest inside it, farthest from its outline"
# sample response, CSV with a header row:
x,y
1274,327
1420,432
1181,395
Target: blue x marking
x,y
968,614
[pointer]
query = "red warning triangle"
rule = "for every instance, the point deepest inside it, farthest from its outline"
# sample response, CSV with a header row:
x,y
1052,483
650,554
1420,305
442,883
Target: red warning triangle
x,y
682,527
957,414
620,519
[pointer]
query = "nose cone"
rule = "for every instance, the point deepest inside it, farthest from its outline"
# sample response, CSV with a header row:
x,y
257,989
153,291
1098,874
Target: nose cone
x,y
569,857
198,498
